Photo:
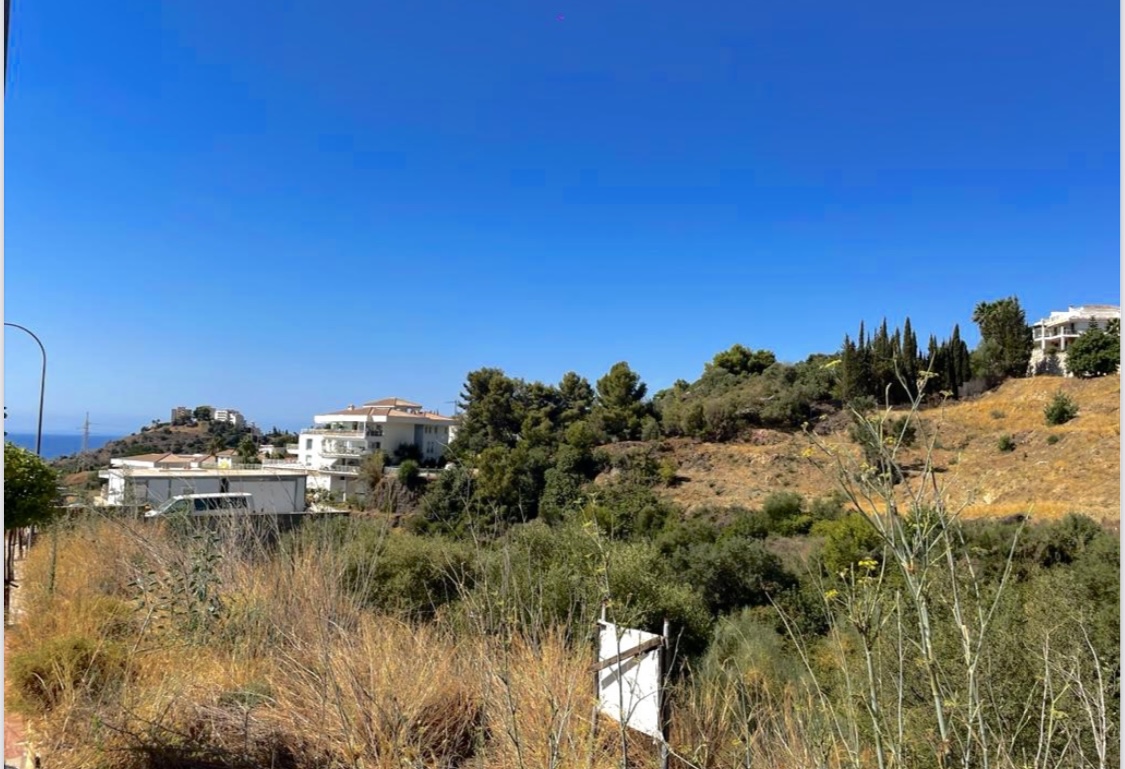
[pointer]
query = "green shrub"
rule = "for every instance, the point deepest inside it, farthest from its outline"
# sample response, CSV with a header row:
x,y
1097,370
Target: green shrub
x,y
1006,443
731,573
42,677
847,541
644,591
1061,409
997,414
627,510
409,475
1052,440
408,574
785,511
668,472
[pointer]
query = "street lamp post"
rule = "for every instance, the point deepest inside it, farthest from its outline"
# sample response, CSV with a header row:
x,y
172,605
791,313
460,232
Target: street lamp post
x,y
42,386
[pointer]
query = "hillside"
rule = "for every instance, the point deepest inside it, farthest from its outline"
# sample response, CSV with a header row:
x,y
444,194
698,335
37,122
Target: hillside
x,y
1080,472
161,438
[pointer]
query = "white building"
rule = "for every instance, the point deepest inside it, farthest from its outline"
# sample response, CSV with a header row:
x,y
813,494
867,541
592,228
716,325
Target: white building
x,y
1052,335
274,490
233,416
333,449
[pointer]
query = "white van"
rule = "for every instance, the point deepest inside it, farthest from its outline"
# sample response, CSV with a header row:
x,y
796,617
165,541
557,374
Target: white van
x,y
227,503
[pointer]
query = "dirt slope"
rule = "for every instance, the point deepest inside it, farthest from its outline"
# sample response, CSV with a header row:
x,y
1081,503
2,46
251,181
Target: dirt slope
x,y
1080,472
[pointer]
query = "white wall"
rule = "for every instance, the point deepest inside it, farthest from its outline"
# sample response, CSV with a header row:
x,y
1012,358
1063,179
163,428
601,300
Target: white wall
x,y
272,494
280,494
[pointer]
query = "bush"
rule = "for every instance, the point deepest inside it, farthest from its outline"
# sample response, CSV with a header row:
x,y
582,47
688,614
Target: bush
x,y
997,414
409,574
42,677
785,511
1006,443
627,510
1052,440
668,472
732,573
1061,409
409,475
847,541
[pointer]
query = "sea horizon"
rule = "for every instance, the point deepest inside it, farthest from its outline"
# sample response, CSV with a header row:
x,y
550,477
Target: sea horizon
x,y
57,445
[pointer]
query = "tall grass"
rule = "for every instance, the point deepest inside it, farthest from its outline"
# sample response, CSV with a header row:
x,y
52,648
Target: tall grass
x,y
158,647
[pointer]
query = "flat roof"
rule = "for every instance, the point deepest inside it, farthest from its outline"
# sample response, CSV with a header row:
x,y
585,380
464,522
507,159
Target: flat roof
x,y
205,472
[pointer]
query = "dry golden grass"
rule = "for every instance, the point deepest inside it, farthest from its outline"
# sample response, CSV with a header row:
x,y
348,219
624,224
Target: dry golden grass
x,y
294,673
1081,472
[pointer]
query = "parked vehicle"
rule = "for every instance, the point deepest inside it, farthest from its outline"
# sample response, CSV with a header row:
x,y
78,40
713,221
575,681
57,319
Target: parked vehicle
x,y
227,503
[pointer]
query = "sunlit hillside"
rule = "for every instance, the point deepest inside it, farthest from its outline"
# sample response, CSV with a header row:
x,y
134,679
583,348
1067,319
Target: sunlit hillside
x,y
1078,470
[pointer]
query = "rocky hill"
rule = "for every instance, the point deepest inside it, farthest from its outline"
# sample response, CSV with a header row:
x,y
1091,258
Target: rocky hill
x,y
1051,470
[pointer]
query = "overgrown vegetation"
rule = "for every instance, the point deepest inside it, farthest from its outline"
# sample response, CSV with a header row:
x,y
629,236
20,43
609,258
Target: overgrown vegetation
x,y
451,623
871,628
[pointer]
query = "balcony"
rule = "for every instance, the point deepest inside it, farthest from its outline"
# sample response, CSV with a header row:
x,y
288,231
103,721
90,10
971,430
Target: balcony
x,y
332,449
293,448
345,431
336,432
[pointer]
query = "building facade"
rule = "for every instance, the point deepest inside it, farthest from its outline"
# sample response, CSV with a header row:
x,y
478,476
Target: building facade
x,y
334,448
1051,335
273,490
233,416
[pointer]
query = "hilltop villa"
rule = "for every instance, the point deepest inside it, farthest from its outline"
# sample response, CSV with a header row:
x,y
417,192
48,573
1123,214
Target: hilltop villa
x,y
1052,334
333,449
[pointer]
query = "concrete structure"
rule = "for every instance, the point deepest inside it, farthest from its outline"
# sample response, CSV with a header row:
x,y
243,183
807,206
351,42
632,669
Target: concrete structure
x,y
334,448
181,414
274,490
1051,335
233,416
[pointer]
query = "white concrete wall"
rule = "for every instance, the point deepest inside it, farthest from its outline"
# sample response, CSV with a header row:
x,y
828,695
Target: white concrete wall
x,y
281,494
395,434
272,494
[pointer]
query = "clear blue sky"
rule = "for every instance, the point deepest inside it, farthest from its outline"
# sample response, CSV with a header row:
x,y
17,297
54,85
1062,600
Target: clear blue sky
x,y
289,207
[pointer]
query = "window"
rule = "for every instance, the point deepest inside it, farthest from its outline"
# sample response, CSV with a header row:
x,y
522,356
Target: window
x,y
308,444
378,445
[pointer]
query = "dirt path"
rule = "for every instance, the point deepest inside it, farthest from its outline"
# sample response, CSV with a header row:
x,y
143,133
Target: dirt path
x,y
15,730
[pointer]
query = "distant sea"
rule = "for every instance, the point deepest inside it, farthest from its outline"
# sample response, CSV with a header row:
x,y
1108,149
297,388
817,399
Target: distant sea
x,y
60,444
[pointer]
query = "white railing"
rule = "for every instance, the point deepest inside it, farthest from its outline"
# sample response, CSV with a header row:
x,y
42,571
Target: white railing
x,y
336,431
342,452
283,463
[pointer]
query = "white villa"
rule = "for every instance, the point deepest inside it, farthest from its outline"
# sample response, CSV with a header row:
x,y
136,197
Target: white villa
x,y
332,451
1052,334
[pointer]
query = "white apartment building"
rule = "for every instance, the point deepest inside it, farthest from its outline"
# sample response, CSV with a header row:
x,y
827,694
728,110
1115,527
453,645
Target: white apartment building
x,y
232,416
1051,335
333,449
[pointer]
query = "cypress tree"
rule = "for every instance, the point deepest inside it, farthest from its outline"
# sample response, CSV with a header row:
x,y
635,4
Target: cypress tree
x,y
955,355
910,358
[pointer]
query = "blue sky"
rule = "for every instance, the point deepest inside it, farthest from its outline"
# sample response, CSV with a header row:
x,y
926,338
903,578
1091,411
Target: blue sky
x,y
287,207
